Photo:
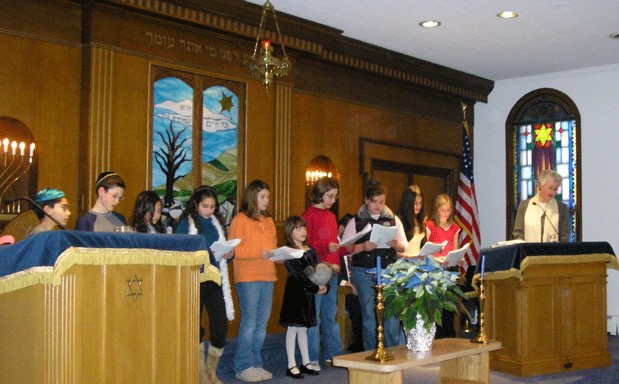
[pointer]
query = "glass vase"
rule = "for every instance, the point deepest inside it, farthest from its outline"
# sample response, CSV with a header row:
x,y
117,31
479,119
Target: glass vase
x,y
419,339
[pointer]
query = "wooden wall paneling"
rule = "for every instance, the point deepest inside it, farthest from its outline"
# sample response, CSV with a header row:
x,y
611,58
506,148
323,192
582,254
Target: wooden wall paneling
x,y
439,169
47,20
40,87
130,135
99,125
281,205
141,33
325,126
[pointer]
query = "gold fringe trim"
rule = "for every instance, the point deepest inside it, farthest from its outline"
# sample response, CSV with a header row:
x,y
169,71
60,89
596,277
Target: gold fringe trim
x,y
107,256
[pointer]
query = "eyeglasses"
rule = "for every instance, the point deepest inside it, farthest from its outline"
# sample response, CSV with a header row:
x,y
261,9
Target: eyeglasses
x,y
116,196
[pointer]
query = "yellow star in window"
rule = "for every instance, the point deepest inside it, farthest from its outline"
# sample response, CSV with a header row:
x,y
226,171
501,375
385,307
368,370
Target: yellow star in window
x,y
543,134
226,103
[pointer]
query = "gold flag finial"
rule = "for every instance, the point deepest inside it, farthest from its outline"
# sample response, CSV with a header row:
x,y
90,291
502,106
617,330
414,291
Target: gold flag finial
x,y
464,106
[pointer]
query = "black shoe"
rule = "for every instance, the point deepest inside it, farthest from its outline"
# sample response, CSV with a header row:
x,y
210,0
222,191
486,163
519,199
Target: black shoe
x,y
294,375
308,370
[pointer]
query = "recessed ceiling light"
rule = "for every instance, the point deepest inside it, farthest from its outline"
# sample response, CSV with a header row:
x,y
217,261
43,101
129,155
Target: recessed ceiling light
x,y
430,23
614,36
507,15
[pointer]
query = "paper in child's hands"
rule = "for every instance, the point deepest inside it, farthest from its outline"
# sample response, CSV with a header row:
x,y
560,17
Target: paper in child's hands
x,y
221,248
430,248
356,236
286,253
453,257
381,235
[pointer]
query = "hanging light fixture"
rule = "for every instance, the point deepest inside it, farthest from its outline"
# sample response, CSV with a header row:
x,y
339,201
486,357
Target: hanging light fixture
x,y
264,65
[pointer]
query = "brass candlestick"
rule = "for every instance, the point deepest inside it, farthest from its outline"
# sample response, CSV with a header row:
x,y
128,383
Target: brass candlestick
x,y
481,335
379,354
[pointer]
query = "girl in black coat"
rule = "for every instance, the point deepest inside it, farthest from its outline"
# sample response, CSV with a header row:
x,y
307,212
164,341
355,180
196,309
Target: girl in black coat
x,y
298,307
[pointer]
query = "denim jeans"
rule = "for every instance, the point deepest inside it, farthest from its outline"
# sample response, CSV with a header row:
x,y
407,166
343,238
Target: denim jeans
x,y
364,282
327,329
255,299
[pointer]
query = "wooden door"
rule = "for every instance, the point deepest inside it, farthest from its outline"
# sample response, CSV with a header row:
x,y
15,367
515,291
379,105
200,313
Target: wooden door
x,y
397,176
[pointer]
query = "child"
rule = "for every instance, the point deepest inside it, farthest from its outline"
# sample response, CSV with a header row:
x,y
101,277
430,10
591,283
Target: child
x,y
201,217
298,307
146,217
412,214
353,308
365,254
54,210
254,276
110,190
442,226
322,234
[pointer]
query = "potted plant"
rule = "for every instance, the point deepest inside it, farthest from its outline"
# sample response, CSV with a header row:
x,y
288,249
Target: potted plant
x,y
417,291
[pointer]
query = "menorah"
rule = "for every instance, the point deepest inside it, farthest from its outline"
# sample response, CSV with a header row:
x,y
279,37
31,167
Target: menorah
x,y
14,165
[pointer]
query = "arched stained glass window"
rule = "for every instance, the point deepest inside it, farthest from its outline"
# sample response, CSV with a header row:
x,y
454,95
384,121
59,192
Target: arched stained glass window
x,y
543,132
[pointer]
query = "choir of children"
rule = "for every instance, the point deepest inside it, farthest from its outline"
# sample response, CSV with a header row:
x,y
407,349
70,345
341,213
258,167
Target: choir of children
x,y
308,310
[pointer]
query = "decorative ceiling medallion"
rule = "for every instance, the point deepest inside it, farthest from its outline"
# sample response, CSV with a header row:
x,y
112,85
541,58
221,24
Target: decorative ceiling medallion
x,y
138,286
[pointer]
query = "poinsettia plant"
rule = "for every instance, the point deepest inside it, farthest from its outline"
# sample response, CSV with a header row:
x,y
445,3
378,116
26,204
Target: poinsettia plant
x,y
419,287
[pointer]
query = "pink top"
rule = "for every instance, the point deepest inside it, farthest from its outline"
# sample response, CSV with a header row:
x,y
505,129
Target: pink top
x,y
322,230
438,235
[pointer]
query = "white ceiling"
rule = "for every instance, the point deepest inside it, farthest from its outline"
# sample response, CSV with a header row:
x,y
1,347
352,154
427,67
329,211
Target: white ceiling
x,y
548,36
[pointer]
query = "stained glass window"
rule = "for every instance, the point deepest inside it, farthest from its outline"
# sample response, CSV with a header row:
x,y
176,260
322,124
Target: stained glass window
x,y
543,133
195,138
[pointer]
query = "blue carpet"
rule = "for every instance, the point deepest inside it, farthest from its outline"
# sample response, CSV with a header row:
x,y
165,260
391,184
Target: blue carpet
x,y
275,361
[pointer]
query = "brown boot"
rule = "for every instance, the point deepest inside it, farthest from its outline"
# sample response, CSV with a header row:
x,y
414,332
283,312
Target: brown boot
x,y
204,379
211,363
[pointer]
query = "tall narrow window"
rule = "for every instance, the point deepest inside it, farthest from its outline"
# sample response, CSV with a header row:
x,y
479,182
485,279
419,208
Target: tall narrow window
x,y
196,138
543,132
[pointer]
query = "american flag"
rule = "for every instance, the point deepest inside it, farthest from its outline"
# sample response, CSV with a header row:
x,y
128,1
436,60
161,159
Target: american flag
x,y
467,215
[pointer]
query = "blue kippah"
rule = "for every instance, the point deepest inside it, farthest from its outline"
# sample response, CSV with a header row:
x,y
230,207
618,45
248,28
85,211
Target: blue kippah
x,y
48,194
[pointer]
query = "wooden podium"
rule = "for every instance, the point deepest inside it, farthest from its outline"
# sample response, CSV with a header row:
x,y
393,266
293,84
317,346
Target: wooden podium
x,y
103,315
549,312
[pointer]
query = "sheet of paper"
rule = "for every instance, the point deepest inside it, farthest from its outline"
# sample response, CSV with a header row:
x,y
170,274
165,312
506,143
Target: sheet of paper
x,y
381,235
357,236
430,248
220,248
286,253
507,242
454,256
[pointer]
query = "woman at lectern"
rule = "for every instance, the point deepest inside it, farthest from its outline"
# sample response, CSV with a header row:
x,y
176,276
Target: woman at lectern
x,y
542,218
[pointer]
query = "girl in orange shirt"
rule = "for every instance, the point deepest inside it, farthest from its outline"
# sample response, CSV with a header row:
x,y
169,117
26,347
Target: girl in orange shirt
x,y
254,277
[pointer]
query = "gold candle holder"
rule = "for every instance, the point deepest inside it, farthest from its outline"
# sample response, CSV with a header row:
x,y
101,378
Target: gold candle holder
x,y
481,337
379,354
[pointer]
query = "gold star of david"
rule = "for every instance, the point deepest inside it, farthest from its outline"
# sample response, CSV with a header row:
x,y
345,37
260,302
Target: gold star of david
x,y
138,291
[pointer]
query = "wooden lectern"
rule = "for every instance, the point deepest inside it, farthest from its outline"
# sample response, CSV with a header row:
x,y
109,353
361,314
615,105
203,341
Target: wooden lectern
x,y
546,304
103,315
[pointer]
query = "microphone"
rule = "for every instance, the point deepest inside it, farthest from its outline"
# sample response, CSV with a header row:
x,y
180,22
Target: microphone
x,y
543,219
35,206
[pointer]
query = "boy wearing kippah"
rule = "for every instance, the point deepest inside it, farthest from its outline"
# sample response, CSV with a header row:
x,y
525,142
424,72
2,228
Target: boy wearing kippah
x,y
54,210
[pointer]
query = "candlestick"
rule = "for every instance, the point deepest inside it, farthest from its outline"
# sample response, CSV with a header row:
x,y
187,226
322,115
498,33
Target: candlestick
x,y
22,147
483,266
14,148
31,150
481,337
380,354
379,272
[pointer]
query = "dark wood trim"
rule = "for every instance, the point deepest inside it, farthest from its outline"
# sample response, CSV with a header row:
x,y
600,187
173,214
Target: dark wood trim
x,y
239,19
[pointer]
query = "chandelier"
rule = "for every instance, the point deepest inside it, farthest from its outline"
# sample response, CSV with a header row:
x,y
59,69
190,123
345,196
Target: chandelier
x,y
264,65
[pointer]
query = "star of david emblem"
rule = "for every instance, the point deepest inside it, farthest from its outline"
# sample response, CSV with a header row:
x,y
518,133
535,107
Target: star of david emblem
x,y
138,285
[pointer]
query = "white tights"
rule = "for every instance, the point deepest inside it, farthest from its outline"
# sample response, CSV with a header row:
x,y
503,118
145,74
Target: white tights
x,y
292,334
